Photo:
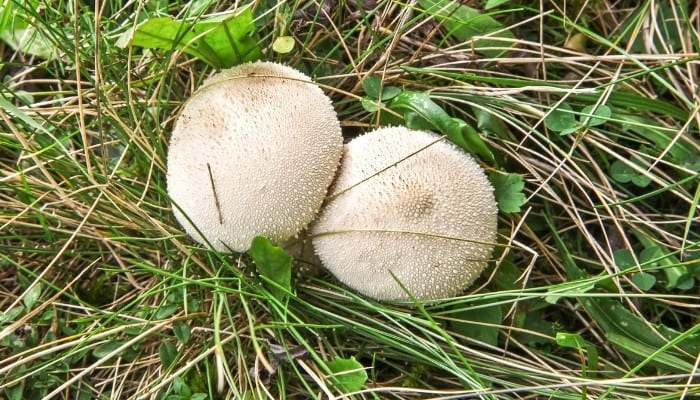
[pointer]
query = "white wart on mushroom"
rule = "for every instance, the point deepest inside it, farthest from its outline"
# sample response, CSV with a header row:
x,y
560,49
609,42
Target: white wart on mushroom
x,y
409,204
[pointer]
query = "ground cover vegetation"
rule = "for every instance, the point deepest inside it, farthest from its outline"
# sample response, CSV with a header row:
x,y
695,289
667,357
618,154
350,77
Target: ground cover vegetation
x,y
585,115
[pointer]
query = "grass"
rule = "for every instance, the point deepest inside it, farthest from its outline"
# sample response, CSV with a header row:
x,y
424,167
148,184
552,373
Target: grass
x,y
592,292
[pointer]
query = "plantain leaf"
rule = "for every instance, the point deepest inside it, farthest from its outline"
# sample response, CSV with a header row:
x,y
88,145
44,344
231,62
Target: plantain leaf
x,y
421,112
221,41
467,24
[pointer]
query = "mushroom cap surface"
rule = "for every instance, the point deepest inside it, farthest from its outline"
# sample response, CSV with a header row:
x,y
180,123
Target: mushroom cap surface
x,y
411,204
253,152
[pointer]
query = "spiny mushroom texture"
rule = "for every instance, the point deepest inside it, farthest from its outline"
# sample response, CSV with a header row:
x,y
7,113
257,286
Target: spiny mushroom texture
x,y
252,153
409,204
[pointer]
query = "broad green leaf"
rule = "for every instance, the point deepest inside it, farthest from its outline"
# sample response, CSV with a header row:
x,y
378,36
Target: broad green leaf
x,y
23,36
283,44
479,323
650,353
508,189
644,280
389,92
12,314
370,105
623,259
615,319
562,119
466,24
489,123
31,297
596,115
15,392
655,257
180,387
348,374
106,348
274,264
182,332
641,181
165,311
622,172
372,84
168,353
495,3
421,112
221,41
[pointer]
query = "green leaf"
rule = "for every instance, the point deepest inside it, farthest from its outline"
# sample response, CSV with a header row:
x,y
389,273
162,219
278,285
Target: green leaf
x,y
165,311
372,84
182,332
650,353
348,374
641,181
12,314
596,115
168,353
181,388
8,14
615,319
283,44
104,349
274,264
30,41
644,280
466,23
489,123
562,119
479,323
622,172
221,41
22,36
623,259
15,392
495,3
421,112
389,92
32,296
370,105
508,189
656,257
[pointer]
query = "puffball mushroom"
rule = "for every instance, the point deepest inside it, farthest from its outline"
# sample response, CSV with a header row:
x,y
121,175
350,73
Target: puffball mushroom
x,y
253,152
406,206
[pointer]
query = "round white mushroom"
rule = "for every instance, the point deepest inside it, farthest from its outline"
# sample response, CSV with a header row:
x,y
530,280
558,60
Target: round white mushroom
x,y
407,206
253,152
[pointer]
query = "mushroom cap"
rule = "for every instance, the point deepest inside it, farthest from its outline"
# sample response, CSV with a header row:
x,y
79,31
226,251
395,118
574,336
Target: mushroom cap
x,y
411,204
253,152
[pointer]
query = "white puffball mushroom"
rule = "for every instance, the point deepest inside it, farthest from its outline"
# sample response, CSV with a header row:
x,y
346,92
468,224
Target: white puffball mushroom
x,y
253,152
411,204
